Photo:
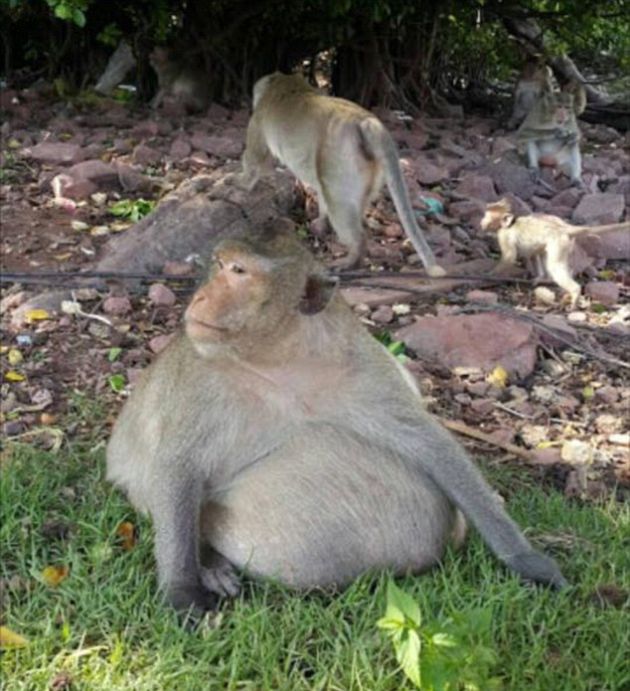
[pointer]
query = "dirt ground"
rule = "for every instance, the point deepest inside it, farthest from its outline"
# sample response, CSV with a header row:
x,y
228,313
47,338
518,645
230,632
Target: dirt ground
x,y
563,410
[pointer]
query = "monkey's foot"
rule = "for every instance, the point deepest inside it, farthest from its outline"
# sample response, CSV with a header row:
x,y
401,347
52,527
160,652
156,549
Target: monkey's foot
x,y
537,568
221,579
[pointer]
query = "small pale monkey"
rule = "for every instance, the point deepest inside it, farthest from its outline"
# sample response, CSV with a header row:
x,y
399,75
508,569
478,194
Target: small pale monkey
x,y
535,79
186,85
550,134
544,241
336,147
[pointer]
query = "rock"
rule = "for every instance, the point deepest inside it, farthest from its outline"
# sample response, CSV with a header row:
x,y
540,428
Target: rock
x,y
606,394
144,155
373,297
576,452
544,296
81,189
469,212
546,456
94,170
620,439
158,343
383,315
510,177
132,180
598,209
485,296
393,230
612,245
173,268
117,305
567,198
159,294
608,424
605,292
533,435
147,129
222,147
476,186
482,406
500,145
12,301
427,172
463,341
56,153
180,148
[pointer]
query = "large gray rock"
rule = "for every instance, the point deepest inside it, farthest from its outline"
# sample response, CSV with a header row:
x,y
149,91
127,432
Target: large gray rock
x,y
599,209
54,153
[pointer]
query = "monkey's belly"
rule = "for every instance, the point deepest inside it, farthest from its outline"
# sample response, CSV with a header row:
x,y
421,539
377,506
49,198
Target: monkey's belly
x,y
321,513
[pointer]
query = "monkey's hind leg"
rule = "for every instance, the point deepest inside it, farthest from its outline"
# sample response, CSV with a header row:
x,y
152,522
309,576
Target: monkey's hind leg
x,y
558,267
346,219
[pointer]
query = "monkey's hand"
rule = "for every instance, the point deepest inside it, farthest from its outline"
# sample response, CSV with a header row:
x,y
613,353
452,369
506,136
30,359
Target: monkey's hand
x,y
536,567
435,271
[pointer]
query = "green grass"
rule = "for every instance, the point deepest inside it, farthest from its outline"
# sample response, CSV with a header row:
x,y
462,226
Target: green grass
x,y
104,627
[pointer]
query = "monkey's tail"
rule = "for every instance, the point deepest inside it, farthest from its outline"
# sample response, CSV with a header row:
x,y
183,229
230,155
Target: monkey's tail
x,y
379,143
594,230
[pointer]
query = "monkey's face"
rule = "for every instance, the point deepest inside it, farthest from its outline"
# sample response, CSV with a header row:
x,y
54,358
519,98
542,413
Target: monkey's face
x,y
496,217
244,299
562,109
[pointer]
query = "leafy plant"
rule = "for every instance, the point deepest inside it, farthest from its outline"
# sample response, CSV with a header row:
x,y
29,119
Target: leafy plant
x,y
396,348
70,10
132,209
440,656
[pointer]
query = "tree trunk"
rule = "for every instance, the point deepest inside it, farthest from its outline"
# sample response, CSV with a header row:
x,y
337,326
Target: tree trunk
x,y
530,35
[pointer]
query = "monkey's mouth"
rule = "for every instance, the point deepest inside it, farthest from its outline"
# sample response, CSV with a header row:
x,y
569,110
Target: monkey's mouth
x,y
191,322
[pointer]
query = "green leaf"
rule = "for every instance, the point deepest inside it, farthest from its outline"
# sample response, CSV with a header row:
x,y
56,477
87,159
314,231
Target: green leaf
x,y
78,17
404,603
63,12
408,656
113,354
396,347
117,382
444,640
391,623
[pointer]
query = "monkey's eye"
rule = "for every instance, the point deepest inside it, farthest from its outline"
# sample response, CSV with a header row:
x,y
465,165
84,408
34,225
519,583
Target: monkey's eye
x,y
236,268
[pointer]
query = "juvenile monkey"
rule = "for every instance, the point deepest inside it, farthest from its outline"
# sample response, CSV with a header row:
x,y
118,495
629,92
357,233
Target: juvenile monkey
x,y
184,84
544,241
535,79
278,435
336,147
550,133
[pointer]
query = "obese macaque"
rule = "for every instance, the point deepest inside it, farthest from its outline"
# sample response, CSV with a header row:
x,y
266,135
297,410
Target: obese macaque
x,y
544,241
185,85
275,435
534,80
336,147
550,134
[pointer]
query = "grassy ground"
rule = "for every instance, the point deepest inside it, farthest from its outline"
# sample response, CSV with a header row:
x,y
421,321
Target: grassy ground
x,y
104,628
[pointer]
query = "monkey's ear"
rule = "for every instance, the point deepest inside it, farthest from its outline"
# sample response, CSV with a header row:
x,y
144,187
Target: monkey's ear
x,y
507,220
318,290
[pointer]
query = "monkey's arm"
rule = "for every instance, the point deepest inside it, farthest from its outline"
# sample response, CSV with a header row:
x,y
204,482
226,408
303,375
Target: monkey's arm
x,y
412,433
174,506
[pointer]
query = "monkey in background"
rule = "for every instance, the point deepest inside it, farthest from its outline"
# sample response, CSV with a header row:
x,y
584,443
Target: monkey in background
x,y
277,436
544,241
550,133
186,85
336,147
535,79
